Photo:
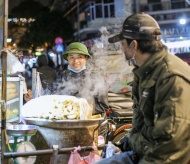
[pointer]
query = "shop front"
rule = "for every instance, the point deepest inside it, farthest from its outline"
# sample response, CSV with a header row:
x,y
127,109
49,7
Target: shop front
x,y
177,39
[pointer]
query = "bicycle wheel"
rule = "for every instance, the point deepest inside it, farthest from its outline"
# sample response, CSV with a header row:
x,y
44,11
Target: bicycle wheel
x,y
121,128
120,132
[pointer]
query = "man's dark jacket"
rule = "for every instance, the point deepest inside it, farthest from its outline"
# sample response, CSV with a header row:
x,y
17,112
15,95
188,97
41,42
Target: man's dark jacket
x,y
161,119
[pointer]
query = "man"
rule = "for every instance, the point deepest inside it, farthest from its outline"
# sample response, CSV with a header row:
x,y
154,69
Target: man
x,y
161,96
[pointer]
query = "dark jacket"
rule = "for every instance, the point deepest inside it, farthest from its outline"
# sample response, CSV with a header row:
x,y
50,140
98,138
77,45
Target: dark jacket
x,y
86,84
47,74
161,117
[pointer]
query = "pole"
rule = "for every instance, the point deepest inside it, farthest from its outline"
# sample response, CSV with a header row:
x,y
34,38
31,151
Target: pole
x,y
3,104
5,23
78,21
137,10
1,23
34,77
4,3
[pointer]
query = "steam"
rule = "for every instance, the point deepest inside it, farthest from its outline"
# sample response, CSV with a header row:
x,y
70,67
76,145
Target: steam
x,y
106,67
91,85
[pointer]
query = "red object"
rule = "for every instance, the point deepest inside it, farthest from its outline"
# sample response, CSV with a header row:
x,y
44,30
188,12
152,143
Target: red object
x,y
108,112
58,40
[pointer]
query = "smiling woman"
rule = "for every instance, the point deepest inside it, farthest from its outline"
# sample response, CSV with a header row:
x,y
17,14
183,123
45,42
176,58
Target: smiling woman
x,y
80,79
77,61
77,56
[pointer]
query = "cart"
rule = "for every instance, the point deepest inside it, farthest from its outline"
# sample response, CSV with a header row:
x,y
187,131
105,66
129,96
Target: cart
x,y
64,134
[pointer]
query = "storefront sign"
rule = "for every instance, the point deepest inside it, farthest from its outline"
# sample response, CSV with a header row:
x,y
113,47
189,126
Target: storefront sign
x,y
179,46
179,50
176,31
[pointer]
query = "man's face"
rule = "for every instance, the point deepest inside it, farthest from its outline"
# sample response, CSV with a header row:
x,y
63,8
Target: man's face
x,y
127,50
76,61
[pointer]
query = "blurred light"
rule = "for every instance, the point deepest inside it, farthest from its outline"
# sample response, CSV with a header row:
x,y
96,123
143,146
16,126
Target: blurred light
x,y
181,37
178,44
188,1
24,20
37,53
182,21
39,49
52,54
100,45
9,40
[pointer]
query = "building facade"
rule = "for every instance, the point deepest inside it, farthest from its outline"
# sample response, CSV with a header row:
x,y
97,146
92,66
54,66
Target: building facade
x,y
93,14
173,16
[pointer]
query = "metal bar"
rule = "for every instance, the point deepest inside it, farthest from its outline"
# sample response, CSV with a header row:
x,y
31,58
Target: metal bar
x,y
5,23
29,153
34,77
84,148
4,80
47,152
4,98
55,154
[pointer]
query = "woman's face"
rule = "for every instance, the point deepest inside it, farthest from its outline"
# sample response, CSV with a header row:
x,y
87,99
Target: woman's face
x,y
77,61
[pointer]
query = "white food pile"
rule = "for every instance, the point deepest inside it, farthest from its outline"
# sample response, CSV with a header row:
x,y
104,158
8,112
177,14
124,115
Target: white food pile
x,y
59,107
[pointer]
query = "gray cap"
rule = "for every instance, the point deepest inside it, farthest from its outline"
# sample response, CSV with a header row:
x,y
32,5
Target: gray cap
x,y
139,27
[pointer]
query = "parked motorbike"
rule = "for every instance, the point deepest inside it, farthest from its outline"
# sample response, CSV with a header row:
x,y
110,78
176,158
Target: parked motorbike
x,y
116,126
119,126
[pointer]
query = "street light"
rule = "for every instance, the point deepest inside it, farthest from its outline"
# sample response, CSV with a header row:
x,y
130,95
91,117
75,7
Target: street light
x,y
182,21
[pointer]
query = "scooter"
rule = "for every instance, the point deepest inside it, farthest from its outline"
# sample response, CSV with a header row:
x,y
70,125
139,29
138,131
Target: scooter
x,y
119,125
115,127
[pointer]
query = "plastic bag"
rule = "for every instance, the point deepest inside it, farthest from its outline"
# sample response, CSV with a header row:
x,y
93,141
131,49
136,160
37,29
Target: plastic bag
x,y
94,156
24,85
13,64
111,150
75,157
39,89
85,109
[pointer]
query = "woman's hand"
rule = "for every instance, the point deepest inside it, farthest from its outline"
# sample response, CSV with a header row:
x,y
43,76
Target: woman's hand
x,y
28,96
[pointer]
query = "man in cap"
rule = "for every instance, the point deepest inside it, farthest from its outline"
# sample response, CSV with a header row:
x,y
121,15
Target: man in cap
x,y
161,96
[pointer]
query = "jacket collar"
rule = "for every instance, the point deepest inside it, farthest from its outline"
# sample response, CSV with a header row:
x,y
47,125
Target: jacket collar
x,y
151,63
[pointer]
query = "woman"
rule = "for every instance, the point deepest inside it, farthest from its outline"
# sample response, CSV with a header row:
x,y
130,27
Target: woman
x,y
80,79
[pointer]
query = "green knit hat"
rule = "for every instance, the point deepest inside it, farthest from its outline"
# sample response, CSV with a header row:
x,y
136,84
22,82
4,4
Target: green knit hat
x,y
76,48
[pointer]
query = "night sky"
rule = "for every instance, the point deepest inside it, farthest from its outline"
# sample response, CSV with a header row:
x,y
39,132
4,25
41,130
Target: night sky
x,y
14,3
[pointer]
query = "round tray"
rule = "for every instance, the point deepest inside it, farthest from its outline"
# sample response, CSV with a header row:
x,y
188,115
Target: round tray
x,y
63,124
21,130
